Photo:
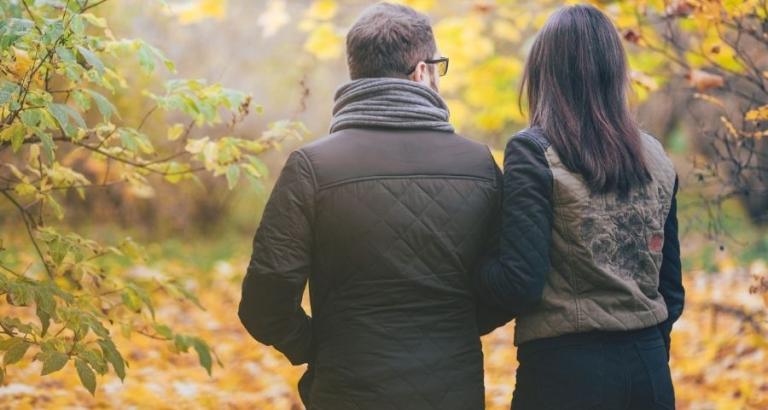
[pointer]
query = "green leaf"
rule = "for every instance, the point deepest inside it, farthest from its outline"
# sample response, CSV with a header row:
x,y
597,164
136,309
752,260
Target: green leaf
x,y
15,352
178,287
146,60
60,114
66,55
233,175
6,344
95,359
31,118
131,249
91,59
47,143
81,99
203,353
7,92
144,296
105,107
163,330
113,356
148,54
20,294
135,141
58,210
181,343
53,361
94,21
87,376
19,27
46,307
45,320
75,116
131,299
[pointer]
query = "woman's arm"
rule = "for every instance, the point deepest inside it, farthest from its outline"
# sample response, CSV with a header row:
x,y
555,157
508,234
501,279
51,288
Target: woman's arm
x,y
670,275
514,280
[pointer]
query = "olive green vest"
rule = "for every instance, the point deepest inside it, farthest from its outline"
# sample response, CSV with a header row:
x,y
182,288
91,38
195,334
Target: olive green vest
x,y
605,253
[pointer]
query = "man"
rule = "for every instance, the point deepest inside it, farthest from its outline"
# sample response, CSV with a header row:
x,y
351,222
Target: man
x,y
386,217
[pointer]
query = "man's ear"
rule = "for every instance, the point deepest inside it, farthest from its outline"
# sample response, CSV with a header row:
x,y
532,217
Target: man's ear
x,y
419,73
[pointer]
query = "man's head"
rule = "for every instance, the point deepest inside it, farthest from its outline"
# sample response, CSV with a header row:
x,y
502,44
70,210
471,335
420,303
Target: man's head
x,y
390,40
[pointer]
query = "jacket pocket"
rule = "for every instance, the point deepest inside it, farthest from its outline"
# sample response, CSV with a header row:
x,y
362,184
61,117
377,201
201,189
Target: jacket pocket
x,y
561,378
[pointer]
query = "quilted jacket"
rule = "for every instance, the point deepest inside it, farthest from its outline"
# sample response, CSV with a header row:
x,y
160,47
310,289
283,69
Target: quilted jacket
x,y
388,227
571,261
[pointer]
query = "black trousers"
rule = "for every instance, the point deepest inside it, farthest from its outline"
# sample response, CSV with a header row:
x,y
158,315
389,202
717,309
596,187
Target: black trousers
x,y
595,371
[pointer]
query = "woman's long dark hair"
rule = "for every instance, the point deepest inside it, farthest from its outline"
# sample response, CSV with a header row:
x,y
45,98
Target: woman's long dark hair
x,y
576,81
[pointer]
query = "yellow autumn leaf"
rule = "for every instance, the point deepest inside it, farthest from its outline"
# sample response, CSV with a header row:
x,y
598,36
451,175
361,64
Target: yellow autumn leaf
x,y
324,42
21,64
175,131
507,31
421,5
323,9
758,114
491,120
195,11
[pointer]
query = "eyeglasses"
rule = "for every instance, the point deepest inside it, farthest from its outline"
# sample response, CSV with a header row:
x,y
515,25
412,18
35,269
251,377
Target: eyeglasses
x,y
442,66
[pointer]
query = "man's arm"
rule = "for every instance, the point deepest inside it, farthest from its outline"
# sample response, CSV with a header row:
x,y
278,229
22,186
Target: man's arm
x,y
670,275
514,281
489,316
270,308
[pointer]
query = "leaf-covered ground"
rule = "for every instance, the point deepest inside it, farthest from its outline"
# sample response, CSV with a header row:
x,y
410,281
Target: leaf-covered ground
x,y
719,360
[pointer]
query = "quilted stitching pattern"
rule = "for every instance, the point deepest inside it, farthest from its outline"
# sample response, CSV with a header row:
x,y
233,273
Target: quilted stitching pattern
x,y
575,299
387,227
393,257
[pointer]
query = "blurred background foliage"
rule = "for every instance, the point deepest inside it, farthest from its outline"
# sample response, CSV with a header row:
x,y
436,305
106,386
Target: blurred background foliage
x,y
141,140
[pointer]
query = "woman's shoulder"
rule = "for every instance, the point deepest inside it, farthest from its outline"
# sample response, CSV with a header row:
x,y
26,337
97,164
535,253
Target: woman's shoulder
x,y
656,159
653,147
651,141
532,137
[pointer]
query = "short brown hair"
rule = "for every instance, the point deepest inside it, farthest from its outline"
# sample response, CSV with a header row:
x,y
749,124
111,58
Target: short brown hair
x,y
388,40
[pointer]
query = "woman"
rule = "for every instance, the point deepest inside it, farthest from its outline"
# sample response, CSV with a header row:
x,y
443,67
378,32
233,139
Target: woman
x,y
589,258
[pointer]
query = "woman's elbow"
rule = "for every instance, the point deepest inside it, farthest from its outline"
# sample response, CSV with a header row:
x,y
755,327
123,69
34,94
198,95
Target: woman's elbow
x,y
532,295
523,297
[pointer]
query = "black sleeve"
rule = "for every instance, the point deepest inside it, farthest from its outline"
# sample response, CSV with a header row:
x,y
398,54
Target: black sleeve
x,y
670,275
270,308
490,317
514,281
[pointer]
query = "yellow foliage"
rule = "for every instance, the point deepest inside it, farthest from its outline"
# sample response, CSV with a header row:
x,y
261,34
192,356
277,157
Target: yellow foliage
x,y
498,156
758,114
464,40
324,42
506,31
717,363
323,9
19,66
460,113
421,5
198,10
175,131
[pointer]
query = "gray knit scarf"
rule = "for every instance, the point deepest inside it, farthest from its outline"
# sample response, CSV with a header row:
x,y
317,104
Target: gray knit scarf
x,y
389,103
